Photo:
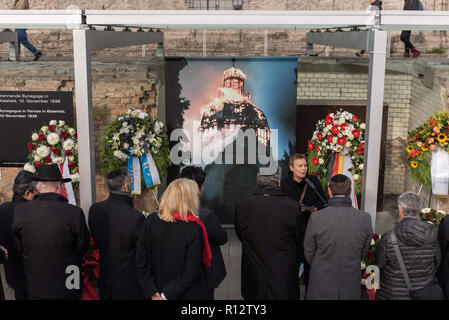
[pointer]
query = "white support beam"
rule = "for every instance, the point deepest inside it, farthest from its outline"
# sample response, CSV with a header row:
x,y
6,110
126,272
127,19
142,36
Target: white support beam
x,y
229,19
41,19
84,118
414,20
376,80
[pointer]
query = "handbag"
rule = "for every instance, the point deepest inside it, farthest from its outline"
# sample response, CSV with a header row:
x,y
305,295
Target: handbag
x,y
433,292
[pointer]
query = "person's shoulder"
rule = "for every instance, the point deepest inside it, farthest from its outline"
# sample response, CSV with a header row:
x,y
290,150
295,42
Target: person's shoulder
x,y
6,205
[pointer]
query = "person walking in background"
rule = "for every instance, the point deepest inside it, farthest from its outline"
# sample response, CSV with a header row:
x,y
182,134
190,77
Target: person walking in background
x,y
216,234
337,238
173,251
406,34
378,4
51,235
115,228
22,33
418,244
269,225
24,190
443,271
296,187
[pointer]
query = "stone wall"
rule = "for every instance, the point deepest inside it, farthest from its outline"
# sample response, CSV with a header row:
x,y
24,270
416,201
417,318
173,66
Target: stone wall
x,y
116,88
223,42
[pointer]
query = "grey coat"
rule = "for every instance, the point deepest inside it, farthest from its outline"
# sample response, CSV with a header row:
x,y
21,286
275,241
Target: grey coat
x,y
336,240
418,242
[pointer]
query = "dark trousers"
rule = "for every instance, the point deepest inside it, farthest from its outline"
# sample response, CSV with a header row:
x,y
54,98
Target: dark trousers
x,y
21,295
405,37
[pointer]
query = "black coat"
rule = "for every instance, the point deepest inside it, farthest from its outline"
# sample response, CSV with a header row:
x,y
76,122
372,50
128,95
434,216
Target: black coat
x,y
14,270
52,235
2,260
337,238
115,227
411,5
169,259
217,236
268,224
443,271
420,250
294,189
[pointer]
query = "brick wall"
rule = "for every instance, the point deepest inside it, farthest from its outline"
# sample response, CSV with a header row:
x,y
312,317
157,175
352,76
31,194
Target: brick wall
x,y
223,42
353,85
116,88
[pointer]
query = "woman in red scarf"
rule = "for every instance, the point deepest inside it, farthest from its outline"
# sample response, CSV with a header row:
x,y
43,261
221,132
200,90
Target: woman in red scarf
x,y
173,251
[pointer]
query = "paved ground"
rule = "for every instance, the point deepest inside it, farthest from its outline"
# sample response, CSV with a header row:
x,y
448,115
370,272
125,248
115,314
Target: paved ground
x,y
229,289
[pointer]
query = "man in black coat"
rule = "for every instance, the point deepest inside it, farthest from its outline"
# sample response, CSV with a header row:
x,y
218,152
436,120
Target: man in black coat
x,y
268,223
216,234
296,188
115,227
443,271
53,238
24,189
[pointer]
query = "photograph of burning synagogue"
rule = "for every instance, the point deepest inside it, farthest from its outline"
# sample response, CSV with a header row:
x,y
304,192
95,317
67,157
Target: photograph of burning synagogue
x,y
242,110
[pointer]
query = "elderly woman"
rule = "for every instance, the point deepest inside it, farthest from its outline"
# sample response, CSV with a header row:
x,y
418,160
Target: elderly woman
x,y
24,189
173,250
418,244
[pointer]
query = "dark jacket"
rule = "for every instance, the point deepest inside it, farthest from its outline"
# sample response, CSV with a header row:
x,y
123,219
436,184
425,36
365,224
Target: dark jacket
x,y
217,236
169,259
14,270
378,4
411,5
268,224
294,189
115,227
337,238
443,271
420,251
52,235
2,260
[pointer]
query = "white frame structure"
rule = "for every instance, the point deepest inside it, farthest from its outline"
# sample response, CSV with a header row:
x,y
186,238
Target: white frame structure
x,y
85,40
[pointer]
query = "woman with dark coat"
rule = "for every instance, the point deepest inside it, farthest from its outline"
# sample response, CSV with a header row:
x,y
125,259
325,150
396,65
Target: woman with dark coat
x,y
418,243
173,251
443,271
216,234
24,189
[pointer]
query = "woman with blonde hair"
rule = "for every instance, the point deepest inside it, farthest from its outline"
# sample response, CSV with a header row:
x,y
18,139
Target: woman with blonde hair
x,y
173,251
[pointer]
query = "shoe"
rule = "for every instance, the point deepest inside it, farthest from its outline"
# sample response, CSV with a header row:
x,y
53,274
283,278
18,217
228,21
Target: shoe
x,y
358,54
415,52
406,55
37,56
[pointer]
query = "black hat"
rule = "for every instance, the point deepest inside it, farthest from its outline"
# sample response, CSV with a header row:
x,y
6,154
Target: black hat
x,y
24,177
49,172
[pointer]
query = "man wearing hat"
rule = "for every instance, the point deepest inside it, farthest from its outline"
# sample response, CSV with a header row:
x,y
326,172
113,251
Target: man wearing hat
x,y
24,190
115,227
53,238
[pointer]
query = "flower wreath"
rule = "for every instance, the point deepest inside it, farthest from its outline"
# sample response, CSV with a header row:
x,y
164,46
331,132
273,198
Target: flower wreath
x,y
53,143
135,133
427,137
337,132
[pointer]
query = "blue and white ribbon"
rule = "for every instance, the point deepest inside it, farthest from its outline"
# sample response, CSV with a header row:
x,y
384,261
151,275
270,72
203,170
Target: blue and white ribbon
x,y
150,173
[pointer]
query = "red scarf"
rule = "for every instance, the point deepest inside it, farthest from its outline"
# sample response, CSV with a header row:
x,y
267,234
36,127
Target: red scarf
x,y
207,255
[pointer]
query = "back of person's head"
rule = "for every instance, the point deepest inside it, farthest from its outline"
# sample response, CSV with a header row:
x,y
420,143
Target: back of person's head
x,y
23,183
180,196
116,179
411,203
340,185
195,173
269,181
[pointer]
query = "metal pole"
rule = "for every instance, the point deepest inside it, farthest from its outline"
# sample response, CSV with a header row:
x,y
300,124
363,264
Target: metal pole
x,y
376,79
84,117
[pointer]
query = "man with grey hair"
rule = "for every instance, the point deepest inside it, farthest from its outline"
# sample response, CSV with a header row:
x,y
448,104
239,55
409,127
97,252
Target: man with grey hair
x,y
269,225
115,227
418,244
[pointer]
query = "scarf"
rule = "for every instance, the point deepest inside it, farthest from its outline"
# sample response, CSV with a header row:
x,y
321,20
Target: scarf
x,y
207,255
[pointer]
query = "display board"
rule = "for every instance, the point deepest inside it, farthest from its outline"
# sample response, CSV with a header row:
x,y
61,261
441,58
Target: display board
x,y
21,112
